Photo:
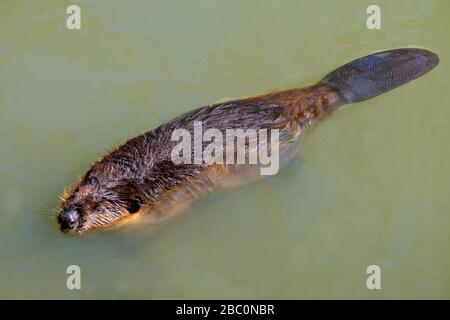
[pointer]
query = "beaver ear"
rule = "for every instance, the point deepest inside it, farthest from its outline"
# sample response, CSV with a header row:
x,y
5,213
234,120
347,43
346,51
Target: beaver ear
x,y
88,174
134,205
91,179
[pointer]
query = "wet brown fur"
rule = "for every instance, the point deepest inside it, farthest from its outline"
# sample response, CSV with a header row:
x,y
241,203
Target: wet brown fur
x,y
138,179
142,168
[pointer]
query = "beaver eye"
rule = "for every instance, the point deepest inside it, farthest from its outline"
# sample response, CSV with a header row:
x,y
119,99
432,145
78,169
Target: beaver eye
x,y
134,205
98,209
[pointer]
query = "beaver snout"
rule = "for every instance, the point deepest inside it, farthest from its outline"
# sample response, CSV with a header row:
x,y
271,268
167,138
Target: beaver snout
x,y
68,219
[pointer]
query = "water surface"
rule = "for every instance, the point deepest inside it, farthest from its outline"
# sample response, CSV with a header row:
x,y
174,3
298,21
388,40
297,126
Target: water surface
x,y
369,186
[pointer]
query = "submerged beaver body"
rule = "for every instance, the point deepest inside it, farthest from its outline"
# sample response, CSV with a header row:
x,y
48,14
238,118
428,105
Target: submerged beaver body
x,y
140,178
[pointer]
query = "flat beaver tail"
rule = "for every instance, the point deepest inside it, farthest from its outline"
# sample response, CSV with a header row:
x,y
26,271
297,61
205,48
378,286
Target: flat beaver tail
x,y
372,75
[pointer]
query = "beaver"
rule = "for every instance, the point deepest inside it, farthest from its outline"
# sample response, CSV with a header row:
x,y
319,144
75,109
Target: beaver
x,y
140,179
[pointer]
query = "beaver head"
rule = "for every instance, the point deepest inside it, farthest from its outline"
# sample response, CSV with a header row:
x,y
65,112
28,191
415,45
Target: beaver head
x,y
98,200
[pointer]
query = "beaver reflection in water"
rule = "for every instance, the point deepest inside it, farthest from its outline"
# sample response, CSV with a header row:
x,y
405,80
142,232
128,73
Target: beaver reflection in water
x,y
139,178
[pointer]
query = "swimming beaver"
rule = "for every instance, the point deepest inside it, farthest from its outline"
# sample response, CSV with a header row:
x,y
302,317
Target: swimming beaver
x,y
139,178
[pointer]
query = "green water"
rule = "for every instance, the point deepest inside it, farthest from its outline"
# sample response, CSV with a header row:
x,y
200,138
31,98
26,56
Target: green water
x,y
370,185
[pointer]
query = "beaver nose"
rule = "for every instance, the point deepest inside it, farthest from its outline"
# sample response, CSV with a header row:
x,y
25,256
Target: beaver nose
x,y
68,219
